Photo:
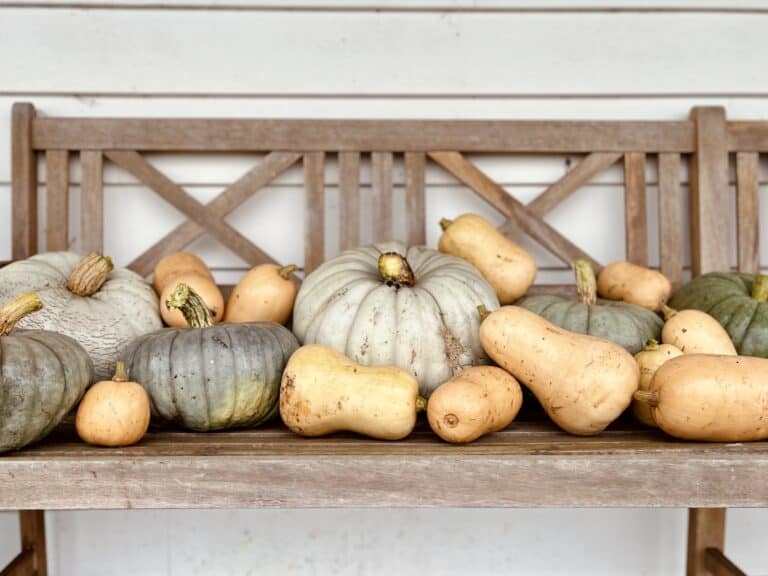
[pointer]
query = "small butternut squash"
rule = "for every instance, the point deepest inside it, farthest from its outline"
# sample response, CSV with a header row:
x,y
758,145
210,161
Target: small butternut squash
x,y
177,263
634,284
185,268
695,332
710,397
323,391
265,294
506,266
649,360
478,401
584,383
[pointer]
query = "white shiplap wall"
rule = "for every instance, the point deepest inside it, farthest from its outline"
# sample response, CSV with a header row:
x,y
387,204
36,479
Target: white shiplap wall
x,y
371,59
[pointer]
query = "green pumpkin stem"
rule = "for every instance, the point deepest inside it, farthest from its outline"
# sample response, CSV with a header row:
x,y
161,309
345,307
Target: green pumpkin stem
x,y
120,374
586,282
649,397
760,287
667,312
421,404
90,274
286,271
652,345
483,311
444,223
191,306
394,269
15,310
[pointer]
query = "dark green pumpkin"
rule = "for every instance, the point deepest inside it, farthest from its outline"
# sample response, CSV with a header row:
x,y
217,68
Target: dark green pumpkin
x,y
737,301
625,324
211,377
42,376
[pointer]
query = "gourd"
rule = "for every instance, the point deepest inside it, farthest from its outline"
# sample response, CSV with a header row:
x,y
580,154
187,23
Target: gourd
x,y
42,376
634,284
649,360
113,412
186,268
695,332
710,397
85,298
737,301
479,401
582,382
507,267
266,293
210,377
625,324
388,305
322,391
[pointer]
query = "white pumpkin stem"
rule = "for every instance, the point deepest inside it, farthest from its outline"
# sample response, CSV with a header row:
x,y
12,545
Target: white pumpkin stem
x,y
15,310
649,397
90,274
760,288
120,374
191,306
286,271
586,283
445,223
394,269
667,312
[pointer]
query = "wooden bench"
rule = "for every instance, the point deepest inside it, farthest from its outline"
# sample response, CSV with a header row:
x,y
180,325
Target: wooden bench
x,y
531,463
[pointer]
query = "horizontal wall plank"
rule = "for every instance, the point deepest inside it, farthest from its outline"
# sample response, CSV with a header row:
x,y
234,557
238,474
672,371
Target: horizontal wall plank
x,y
340,52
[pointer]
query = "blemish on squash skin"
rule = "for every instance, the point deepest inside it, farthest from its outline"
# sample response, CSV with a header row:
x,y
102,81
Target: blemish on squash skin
x,y
453,349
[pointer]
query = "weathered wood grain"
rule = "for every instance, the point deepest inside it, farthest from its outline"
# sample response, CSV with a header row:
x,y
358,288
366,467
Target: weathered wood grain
x,y
23,564
415,199
23,182
635,211
670,219
57,200
91,201
381,192
349,199
747,211
314,211
706,529
718,564
32,529
748,136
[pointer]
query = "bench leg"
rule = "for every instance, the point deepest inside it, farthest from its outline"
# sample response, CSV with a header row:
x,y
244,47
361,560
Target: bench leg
x,y
706,543
31,560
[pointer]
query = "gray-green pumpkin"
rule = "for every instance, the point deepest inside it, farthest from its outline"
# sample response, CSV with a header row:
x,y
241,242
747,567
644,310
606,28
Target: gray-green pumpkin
x,y
42,376
210,377
625,324
737,301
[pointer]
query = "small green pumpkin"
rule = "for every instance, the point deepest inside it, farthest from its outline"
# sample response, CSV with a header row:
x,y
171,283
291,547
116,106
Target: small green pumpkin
x,y
738,301
210,377
625,324
42,376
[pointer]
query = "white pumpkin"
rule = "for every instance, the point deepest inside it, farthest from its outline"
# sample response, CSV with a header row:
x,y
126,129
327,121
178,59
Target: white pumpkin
x,y
84,298
419,313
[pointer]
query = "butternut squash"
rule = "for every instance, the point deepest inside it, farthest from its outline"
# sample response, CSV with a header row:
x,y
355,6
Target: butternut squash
x,y
649,360
265,294
634,284
177,263
477,401
695,332
185,268
506,266
322,391
583,382
710,397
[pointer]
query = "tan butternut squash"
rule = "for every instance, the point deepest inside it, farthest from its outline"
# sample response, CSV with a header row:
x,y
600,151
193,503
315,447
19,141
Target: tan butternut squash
x,y
477,401
695,332
265,294
506,266
185,268
322,391
649,360
710,397
634,284
177,263
583,382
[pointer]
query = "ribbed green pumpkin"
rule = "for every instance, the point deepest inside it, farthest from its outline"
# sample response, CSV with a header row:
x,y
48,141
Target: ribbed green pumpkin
x,y
42,376
737,301
210,377
625,324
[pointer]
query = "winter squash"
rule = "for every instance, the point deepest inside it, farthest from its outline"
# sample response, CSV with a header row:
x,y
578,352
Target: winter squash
x,y
323,391
85,298
507,267
584,383
737,301
113,412
186,268
479,401
695,332
389,305
625,324
210,377
42,376
265,294
634,284
649,360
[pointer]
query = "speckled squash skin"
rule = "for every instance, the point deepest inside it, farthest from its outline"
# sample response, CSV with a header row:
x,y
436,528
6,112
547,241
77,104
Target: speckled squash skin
x,y
727,297
428,326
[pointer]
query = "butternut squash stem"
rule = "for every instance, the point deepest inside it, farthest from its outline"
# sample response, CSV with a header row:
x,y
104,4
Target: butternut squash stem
x,y
120,374
394,269
483,311
651,345
760,288
286,271
445,223
191,306
649,397
667,312
90,274
421,404
586,282
15,310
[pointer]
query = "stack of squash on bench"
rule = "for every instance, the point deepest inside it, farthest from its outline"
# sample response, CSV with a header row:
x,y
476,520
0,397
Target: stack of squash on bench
x,y
377,335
